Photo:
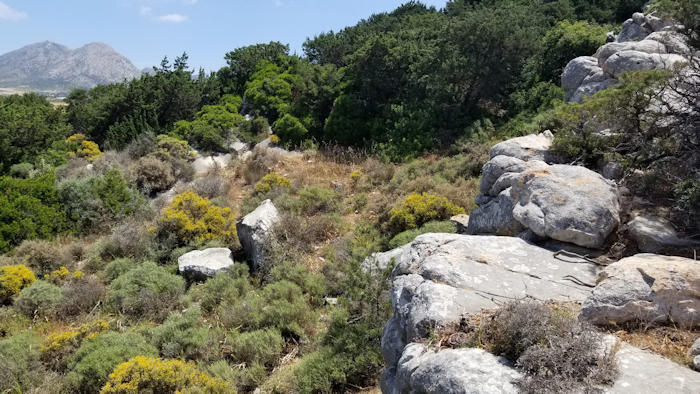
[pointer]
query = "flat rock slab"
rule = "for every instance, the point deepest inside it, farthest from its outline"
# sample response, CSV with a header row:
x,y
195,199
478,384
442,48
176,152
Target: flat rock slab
x,y
646,372
533,146
201,264
439,278
202,165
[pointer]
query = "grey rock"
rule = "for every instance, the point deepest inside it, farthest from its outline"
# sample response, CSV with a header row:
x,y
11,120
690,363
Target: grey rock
x,y
630,60
696,363
646,46
533,146
674,42
378,262
202,264
495,217
634,29
645,372
654,234
439,278
461,222
646,287
576,71
591,88
695,349
203,165
613,171
421,370
567,203
239,147
255,231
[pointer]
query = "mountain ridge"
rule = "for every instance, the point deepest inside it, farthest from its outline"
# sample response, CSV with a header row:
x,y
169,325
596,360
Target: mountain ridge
x,y
50,67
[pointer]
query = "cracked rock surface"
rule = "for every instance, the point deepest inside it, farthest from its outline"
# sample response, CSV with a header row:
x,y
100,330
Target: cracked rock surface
x,y
441,277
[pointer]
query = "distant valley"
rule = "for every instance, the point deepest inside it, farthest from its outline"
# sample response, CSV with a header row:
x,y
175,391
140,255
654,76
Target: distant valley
x,y
54,69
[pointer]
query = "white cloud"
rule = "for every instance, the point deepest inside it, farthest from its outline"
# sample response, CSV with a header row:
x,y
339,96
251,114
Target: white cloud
x,y
10,14
172,18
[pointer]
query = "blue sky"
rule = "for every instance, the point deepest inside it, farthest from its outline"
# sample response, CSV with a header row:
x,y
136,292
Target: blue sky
x,y
146,30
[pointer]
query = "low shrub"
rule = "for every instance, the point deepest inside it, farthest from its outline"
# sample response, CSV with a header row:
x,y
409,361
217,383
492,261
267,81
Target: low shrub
x,y
555,351
255,347
183,336
96,358
145,374
59,346
314,199
153,175
147,291
41,256
246,378
14,278
408,236
22,170
418,209
225,287
211,186
271,182
169,147
129,239
39,299
19,363
81,295
194,218
310,283
289,129
258,165
118,267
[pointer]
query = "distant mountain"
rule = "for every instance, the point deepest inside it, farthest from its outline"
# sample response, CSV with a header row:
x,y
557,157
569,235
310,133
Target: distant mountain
x,y
54,68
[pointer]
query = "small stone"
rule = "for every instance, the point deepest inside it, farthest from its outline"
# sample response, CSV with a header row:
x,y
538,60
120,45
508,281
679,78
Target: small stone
x,y
462,222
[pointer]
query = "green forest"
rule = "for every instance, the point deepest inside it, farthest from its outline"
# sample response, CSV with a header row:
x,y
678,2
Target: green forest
x,y
391,120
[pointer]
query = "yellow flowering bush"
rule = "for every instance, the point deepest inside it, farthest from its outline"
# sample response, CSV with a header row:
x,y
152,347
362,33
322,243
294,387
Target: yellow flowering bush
x,y
60,344
88,150
418,209
154,375
62,274
272,181
274,140
194,218
355,176
14,278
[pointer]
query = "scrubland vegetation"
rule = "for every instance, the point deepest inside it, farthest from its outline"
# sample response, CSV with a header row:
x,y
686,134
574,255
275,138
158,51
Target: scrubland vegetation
x,y
394,118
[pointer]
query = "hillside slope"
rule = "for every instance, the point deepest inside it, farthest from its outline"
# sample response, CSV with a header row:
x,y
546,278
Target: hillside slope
x,y
52,67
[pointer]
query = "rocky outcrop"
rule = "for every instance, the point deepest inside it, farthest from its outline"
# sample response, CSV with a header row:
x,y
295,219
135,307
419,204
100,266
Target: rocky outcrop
x,y
202,264
529,147
646,287
378,262
440,278
566,203
645,43
255,231
204,164
421,370
654,234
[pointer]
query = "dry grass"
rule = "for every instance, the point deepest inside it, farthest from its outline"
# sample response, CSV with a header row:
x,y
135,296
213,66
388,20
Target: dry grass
x,y
670,342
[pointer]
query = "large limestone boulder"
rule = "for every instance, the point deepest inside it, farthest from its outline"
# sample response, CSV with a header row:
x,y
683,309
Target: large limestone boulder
x,y
255,230
634,60
640,26
577,70
495,217
645,372
378,262
439,278
646,46
422,370
654,234
202,264
533,146
647,287
204,164
567,203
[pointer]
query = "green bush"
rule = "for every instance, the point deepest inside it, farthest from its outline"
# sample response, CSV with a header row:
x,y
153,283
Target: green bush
x,y
316,199
280,305
271,182
431,227
95,359
39,299
229,286
418,209
118,267
182,335
81,295
147,291
153,175
299,274
289,129
42,256
19,363
29,208
256,347
22,170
